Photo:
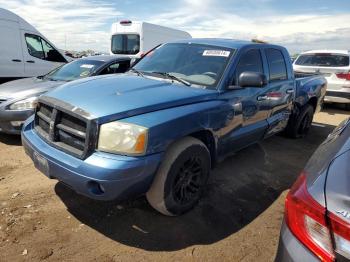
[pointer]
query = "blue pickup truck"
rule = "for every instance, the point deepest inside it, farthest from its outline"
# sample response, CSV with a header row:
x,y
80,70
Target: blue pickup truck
x,y
159,128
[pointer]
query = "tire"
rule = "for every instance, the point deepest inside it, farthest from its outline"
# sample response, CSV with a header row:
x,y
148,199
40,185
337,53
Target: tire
x,y
299,124
181,177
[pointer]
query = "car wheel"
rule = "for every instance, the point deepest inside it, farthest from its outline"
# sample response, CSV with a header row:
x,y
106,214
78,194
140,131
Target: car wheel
x,y
299,125
180,179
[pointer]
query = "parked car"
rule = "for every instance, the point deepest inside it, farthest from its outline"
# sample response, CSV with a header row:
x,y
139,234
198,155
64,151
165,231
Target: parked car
x,y
159,128
135,38
317,215
24,51
18,98
334,65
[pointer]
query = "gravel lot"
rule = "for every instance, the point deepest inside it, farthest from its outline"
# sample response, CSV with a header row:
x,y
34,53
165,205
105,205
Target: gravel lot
x,y
237,220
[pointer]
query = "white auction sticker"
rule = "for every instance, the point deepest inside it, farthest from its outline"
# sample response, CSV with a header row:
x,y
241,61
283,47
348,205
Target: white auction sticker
x,y
87,66
216,53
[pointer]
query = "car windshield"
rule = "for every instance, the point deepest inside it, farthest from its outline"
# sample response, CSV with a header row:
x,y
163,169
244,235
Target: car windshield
x,y
324,59
74,70
125,44
193,63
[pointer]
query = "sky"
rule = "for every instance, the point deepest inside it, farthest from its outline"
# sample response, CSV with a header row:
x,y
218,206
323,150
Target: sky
x,y
297,24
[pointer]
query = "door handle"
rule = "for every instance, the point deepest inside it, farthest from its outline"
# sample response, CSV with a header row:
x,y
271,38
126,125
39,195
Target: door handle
x,y
290,91
30,61
16,60
262,98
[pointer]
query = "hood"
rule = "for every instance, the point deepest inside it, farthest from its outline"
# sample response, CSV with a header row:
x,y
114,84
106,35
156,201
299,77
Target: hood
x,y
26,87
124,95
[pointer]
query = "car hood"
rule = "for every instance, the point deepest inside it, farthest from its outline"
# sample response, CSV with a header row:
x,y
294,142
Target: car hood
x,y
118,96
26,87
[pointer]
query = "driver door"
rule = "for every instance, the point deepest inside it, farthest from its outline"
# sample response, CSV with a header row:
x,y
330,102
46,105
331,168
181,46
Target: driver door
x,y
39,56
249,107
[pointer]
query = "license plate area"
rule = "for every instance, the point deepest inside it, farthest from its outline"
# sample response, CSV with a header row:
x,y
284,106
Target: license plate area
x,y
41,163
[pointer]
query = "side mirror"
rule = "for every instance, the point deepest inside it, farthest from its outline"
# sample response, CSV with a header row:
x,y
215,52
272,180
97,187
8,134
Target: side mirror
x,y
252,79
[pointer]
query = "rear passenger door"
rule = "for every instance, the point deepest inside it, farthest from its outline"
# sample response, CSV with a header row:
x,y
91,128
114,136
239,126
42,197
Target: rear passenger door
x,y
281,90
11,57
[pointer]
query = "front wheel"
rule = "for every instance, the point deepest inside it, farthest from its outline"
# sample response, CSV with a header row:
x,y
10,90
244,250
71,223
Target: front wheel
x,y
181,177
299,125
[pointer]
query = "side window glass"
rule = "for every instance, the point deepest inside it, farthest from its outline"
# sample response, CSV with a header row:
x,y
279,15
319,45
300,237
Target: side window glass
x,y
51,54
277,65
250,61
119,67
34,46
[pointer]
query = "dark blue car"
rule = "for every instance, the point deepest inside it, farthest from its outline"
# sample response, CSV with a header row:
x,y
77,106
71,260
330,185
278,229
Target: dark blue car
x,y
159,128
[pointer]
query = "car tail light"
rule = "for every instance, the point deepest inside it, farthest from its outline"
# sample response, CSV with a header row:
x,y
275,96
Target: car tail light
x,y
306,219
345,76
341,235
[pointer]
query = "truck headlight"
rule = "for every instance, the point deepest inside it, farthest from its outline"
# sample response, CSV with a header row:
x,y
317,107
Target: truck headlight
x,y
123,138
28,103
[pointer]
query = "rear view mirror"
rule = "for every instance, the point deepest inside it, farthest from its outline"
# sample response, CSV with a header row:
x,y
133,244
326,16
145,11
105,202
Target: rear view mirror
x,y
252,79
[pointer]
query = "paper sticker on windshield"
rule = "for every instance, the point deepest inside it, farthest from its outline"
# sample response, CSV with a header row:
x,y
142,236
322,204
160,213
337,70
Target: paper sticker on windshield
x,y
87,66
216,53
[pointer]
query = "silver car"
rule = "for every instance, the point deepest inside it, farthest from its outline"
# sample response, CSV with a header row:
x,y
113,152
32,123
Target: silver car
x,y
334,65
317,213
18,97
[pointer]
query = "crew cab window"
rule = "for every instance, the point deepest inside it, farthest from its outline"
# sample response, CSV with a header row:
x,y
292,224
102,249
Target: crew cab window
x,y
250,61
119,67
41,49
277,65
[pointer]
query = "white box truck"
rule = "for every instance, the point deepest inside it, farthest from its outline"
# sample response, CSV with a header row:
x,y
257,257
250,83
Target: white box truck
x,y
24,52
134,38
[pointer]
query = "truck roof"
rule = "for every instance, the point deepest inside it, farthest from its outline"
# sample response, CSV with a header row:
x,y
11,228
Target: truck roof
x,y
106,58
228,43
328,51
10,16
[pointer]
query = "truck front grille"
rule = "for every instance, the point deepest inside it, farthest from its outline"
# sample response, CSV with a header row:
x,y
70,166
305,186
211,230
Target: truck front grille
x,y
63,130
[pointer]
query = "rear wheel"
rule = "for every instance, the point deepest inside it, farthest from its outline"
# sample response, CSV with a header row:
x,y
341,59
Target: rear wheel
x,y
181,177
299,124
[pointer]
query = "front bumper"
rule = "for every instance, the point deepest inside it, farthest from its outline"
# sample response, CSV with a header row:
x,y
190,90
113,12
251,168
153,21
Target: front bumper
x,y
8,116
101,176
290,249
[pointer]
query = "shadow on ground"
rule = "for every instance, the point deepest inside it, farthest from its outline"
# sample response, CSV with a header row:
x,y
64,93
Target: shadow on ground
x,y
239,190
11,140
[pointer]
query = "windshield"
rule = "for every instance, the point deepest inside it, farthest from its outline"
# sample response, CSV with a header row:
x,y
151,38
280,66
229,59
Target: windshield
x,y
125,44
195,63
326,59
74,70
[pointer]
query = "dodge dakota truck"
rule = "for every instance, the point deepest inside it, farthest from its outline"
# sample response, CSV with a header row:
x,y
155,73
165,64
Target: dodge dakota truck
x,y
159,128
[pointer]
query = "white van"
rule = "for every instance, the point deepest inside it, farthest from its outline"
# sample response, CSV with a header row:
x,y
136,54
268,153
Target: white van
x,y
24,52
136,38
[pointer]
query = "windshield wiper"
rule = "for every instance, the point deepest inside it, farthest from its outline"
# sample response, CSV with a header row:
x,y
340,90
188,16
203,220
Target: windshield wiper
x,y
136,71
170,76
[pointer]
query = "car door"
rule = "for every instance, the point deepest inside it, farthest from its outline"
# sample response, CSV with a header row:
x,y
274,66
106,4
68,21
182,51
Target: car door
x,y
281,90
246,122
11,57
39,56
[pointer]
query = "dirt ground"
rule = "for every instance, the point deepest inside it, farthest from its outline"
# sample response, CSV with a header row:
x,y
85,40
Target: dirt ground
x,y
238,219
